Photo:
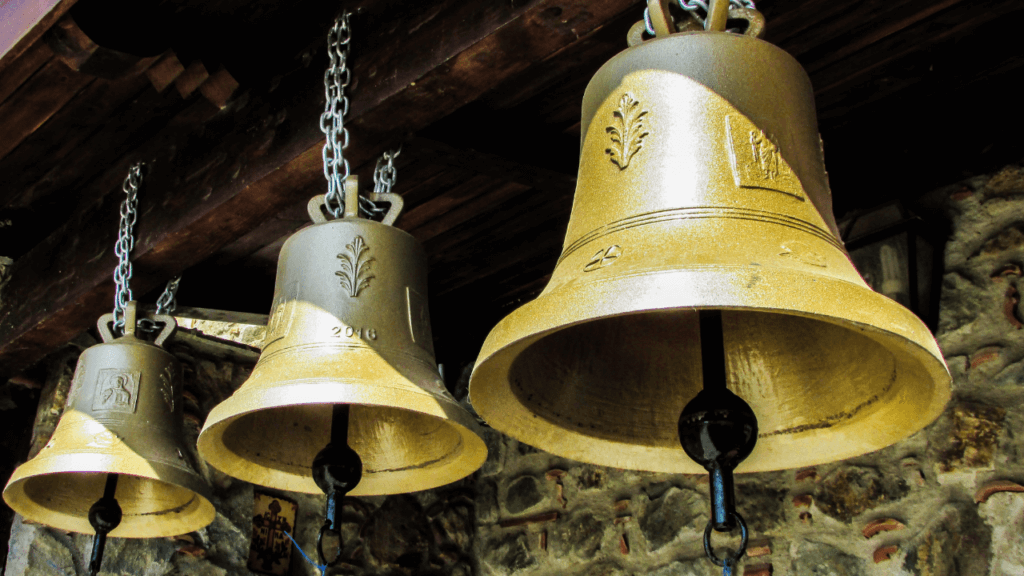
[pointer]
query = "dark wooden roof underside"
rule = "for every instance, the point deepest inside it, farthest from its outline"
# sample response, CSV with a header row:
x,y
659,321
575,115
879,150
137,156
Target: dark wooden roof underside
x,y
221,99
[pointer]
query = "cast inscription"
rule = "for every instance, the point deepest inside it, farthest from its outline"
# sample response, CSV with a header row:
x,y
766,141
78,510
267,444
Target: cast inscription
x,y
353,332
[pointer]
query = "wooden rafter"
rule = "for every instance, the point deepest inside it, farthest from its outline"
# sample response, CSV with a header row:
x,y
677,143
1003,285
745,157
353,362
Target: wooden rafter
x,y
259,168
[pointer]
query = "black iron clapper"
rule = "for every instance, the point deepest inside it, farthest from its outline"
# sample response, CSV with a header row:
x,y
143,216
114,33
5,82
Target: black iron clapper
x,y
337,469
104,516
718,430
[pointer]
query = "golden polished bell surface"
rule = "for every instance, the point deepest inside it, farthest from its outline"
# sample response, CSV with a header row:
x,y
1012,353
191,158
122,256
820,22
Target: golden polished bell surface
x,y
702,186
349,325
123,416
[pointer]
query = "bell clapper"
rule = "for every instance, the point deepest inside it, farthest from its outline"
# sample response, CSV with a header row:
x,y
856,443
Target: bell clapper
x,y
717,429
104,516
337,469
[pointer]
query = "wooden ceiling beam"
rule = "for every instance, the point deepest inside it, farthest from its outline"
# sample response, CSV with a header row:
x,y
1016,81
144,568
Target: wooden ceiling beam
x,y
493,165
460,186
266,154
25,21
831,75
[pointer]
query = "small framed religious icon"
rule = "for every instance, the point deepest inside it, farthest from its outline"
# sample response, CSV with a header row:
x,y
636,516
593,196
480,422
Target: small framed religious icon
x,y
270,549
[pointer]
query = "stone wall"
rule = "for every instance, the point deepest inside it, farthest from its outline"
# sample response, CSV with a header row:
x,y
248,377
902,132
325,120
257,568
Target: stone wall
x,y
945,502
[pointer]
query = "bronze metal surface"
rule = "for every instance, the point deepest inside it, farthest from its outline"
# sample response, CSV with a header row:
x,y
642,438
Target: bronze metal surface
x,y
349,325
702,186
123,416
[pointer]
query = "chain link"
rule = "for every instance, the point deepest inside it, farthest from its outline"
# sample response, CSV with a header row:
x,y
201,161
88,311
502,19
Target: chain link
x,y
124,245
332,121
385,174
693,6
166,303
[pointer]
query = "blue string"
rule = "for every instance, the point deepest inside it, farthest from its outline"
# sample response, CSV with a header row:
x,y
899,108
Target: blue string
x,y
62,570
321,567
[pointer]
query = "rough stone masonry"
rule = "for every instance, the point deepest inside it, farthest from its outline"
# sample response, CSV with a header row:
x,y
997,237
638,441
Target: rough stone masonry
x,y
947,501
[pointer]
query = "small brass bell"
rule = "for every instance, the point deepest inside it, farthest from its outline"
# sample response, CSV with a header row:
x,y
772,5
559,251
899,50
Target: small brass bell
x,y
349,327
702,187
122,427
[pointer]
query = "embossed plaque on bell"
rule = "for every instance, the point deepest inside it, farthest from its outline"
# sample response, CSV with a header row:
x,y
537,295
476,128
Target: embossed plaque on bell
x,y
350,325
273,519
702,186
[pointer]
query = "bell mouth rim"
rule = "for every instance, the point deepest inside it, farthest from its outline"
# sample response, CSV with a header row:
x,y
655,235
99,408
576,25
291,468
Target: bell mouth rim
x,y
354,392
576,302
102,463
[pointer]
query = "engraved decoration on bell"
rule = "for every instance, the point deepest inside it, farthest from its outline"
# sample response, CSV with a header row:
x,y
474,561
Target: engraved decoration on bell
x,y
803,253
756,159
419,317
627,131
353,332
167,386
281,314
118,391
76,384
356,267
604,257
103,439
274,326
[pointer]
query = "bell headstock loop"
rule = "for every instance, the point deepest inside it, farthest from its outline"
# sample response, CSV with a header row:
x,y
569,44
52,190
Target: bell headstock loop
x,y
396,202
317,207
170,325
755,20
664,24
661,18
132,319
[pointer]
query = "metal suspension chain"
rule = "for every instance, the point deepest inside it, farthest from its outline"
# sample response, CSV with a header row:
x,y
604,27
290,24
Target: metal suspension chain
x,y
385,174
332,121
125,243
693,6
166,304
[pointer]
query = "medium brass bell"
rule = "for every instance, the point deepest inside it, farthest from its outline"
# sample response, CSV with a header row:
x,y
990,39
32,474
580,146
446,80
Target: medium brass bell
x,y
349,326
123,420
702,187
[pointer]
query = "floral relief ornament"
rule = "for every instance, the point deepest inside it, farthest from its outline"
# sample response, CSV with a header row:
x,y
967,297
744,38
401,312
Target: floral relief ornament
x,y
167,387
627,132
355,270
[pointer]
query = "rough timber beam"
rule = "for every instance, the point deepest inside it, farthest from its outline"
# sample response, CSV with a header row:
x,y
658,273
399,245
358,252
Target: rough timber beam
x,y
24,22
262,154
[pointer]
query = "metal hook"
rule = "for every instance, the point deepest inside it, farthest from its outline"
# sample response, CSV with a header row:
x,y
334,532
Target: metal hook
x,y
729,561
320,547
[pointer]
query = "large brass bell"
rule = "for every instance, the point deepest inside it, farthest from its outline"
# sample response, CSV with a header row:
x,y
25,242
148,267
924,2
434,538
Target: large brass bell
x,y
702,186
349,326
123,418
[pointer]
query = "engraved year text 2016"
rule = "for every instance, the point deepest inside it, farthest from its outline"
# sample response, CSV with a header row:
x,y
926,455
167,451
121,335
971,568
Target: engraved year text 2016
x,y
351,332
